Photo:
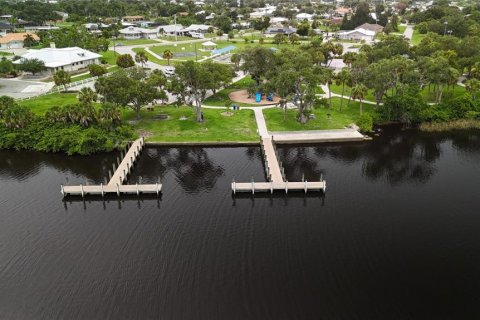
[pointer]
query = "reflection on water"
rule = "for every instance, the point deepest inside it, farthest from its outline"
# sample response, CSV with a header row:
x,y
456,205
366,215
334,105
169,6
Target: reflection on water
x,y
394,237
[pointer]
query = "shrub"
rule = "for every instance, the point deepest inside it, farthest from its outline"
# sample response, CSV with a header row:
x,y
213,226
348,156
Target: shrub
x,y
365,123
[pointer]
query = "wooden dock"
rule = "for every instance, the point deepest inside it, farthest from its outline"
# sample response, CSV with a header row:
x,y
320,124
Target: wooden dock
x,y
120,174
275,175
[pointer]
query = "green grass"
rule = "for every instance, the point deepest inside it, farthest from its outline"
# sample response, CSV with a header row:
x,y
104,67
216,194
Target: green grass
x,y
401,29
216,127
41,104
3,53
448,93
152,58
221,97
417,37
110,56
338,89
181,48
134,42
338,119
172,38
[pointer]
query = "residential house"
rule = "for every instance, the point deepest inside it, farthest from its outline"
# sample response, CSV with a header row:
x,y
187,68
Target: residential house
x,y
170,30
68,59
131,33
372,27
304,16
197,28
356,35
274,30
4,28
133,18
35,29
15,40
341,11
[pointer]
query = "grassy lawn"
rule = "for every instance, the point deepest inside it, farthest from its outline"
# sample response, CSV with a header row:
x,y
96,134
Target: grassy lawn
x,y
338,119
41,104
88,75
401,29
417,37
3,53
338,89
183,48
150,57
190,48
133,42
110,56
217,127
448,93
172,38
221,97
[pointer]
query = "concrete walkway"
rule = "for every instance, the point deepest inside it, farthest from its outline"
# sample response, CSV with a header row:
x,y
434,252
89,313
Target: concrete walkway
x,y
408,33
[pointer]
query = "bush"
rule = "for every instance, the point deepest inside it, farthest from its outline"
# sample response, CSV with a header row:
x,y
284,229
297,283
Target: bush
x,y
365,123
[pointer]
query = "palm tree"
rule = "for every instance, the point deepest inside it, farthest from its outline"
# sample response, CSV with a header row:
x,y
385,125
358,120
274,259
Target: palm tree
x,y
359,92
328,78
87,96
473,87
86,114
341,79
62,78
167,54
101,87
29,40
141,57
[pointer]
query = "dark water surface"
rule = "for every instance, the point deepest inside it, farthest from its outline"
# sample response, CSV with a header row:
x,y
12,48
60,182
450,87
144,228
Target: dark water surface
x,y
397,235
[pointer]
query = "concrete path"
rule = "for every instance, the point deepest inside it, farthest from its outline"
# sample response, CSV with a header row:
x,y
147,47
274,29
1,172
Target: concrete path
x,y
408,33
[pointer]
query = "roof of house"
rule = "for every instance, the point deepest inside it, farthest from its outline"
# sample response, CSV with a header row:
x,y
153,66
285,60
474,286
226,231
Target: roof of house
x,y
135,30
133,17
171,28
4,25
195,27
56,57
281,30
304,16
357,30
372,27
10,37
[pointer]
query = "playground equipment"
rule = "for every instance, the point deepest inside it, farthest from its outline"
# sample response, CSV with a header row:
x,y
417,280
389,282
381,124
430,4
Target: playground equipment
x,y
270,97
258,97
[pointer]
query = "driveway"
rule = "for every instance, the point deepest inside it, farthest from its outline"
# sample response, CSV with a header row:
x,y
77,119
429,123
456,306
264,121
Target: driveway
x,y
22,88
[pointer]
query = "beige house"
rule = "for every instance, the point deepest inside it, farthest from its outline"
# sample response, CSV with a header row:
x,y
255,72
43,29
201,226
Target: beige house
x,y
15,40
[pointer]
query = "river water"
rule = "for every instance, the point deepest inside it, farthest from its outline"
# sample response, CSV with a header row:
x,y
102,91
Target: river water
x,y
396,236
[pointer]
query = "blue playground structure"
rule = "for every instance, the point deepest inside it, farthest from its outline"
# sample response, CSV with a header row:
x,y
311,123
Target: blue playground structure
x,y
258,97
270,97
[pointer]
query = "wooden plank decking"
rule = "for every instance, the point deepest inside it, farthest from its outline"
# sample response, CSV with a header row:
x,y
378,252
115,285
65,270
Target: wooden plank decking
x,y
115,185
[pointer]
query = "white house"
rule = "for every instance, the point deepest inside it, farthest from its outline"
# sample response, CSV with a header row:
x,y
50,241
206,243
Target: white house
x,y
198,28
357,34
304,16
35,29
275,20
68,59
170,30
131,33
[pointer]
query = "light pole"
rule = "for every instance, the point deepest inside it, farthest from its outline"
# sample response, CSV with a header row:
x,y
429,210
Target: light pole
x,y
445,30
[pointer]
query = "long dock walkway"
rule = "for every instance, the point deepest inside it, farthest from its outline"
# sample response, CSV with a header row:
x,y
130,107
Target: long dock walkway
x,y
274,170
115,185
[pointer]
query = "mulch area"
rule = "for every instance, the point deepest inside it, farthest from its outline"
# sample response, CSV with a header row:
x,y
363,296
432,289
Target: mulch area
x,y
241,96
